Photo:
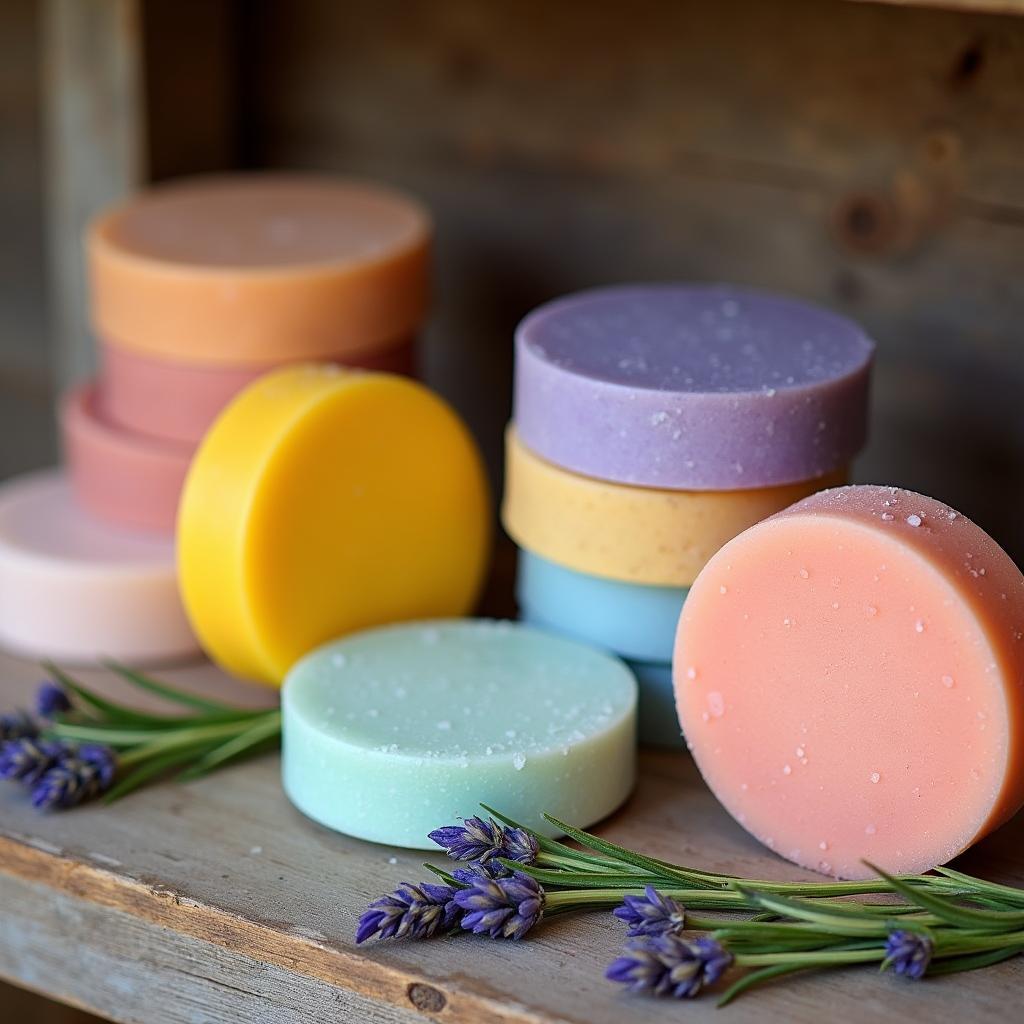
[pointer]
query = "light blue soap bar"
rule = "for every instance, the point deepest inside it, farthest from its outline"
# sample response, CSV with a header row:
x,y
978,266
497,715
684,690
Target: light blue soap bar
x,y
632,619
658,721
392,733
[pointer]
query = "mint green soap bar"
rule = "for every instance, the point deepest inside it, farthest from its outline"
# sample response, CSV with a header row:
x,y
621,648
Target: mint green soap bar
x,y
391,733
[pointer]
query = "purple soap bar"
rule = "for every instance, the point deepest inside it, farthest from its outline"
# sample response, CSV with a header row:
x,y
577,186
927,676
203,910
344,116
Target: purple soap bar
x,y
691,387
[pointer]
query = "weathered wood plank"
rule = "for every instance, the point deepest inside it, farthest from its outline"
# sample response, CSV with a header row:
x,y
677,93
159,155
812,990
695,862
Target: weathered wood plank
x,y
225,876
128,970
94,111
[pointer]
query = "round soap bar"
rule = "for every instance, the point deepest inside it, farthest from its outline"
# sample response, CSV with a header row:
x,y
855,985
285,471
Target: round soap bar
x,y
75,589
178,401
691,387
634,620
657,721
243,269
635,534
392,733
120,476
324,501
849,676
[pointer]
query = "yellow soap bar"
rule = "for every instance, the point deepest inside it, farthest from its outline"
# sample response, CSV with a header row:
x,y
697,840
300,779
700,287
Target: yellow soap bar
x,y
324,501
632,534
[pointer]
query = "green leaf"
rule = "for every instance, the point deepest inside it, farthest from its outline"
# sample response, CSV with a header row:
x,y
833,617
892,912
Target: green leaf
x,y
146,771
543,843
1000,893
445,876
756,978
171,693
958,964
263,732
580,879
115,712
638,860
962,917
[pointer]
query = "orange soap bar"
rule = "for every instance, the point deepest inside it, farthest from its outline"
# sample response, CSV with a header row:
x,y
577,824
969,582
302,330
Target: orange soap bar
x,y
240,269
849,675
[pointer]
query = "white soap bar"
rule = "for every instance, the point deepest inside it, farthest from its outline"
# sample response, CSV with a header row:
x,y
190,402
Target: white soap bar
x,y
75,589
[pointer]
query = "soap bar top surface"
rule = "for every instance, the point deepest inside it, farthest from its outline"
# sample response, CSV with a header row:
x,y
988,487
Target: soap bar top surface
x,y
850,677
691,387
265,222
392,732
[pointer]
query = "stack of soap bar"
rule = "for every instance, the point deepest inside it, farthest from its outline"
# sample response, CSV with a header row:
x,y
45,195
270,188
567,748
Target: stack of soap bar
x,y
849,677
199,287
324,501
652,424
392,733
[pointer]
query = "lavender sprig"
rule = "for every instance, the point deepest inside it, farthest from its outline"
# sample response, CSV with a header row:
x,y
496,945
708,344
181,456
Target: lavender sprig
x,y
482,842
84,745
51,700
410,912
27,759
651,914
78,775
16,725
503,908
947,921
908,953
669,965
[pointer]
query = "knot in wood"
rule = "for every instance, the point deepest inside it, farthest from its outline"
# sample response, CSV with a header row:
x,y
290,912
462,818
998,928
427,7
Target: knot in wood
x,y
426,998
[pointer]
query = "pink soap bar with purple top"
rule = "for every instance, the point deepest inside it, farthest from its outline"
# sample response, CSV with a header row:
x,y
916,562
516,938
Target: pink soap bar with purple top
x,y
691,387
849,676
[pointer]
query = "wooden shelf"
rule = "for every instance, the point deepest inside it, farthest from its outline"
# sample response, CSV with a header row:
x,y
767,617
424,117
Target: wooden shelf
x,y
219,901
972,6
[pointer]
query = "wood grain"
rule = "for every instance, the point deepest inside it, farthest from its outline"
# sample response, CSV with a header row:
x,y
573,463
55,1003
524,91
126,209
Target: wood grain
x,y
220,894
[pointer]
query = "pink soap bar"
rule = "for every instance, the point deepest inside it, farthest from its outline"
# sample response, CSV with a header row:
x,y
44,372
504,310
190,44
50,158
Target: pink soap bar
x,y
178,401
849,675
121,477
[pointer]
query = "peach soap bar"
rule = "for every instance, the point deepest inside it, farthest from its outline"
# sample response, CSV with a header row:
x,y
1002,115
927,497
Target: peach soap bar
x,y
238,270
324,501
850,678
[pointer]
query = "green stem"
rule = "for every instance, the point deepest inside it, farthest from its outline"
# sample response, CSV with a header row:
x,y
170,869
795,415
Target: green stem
x,y
815,959
189,737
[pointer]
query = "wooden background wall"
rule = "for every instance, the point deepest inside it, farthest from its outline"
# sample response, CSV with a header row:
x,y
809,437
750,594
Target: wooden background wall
x,y
867,156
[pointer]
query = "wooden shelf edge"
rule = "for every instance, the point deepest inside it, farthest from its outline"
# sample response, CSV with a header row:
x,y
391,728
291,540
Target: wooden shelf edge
x,y
343,968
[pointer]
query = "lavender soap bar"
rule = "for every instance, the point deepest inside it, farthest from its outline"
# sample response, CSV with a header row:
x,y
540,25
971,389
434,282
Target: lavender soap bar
x,y
392,732
691,387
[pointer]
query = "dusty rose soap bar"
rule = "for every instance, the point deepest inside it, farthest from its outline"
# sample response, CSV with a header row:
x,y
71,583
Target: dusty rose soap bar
x,y
850,677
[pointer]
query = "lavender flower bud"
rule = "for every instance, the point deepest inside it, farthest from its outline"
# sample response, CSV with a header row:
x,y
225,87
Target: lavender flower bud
x,y
51,700
28,759
76,777
410,912
483,841
503,908
667,965
908,953
651,914
17,725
